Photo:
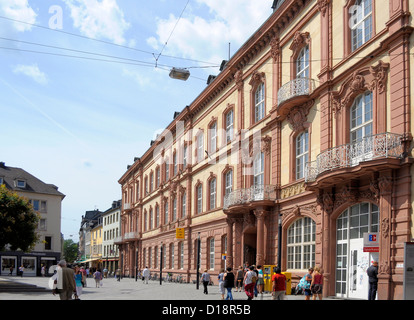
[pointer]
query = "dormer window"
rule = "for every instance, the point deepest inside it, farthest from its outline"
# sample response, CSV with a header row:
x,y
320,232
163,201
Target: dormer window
x,y
20,183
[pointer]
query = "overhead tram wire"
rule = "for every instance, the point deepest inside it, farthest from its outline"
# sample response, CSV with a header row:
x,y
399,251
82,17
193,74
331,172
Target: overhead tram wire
x,y
102,41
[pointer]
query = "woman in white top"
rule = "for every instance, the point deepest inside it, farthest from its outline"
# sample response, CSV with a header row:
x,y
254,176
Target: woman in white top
x,y
249,283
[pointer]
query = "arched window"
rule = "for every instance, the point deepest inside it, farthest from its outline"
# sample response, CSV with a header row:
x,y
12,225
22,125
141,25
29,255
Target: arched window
x,y
301,244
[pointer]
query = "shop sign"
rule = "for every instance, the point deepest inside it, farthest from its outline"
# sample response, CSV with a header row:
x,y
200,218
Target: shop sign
x,y
179,233
371,242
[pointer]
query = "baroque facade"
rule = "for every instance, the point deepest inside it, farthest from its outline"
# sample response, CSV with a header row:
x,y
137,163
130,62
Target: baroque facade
x,y
297,149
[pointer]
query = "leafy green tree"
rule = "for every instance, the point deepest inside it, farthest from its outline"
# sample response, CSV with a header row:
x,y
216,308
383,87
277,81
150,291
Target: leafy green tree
x,y
70,250
18,221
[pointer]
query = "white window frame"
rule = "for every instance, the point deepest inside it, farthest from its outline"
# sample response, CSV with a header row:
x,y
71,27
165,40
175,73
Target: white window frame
x,y
361,23
259,102
302,154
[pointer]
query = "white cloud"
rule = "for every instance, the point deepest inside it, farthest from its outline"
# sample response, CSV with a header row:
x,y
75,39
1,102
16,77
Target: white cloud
x,y
99,19
32,72
136,76
18,10
206,37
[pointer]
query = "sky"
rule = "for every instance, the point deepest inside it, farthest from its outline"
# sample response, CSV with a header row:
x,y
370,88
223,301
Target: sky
x,y
85,86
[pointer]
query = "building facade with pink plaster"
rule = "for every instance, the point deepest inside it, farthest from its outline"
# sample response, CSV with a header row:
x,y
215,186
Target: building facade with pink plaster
x,y
299,147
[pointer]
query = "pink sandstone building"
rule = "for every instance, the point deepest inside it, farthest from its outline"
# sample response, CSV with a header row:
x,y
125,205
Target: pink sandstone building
x,y
296,150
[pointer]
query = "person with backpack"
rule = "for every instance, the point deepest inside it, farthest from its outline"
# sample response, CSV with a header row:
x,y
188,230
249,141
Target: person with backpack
x,y
308,279
250,279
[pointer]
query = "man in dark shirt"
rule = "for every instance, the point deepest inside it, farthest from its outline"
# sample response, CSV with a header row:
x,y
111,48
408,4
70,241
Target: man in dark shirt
x,y
373,280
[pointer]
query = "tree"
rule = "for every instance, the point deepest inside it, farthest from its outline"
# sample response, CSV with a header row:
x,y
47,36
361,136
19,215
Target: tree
x,y
70,250
18,221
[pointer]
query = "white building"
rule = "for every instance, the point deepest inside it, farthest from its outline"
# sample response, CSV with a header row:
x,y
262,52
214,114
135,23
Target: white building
x,y
111,229
47,201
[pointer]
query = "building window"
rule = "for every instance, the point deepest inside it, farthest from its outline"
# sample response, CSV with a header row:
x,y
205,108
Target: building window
x,y
172,256
213,138
199,203
181,246
229,126
183,204
20,184
259,103
157,216
167,169
175,164
185,156
301,244
166,212
302,149
174,217
48,243
213,193
151,221
211,255
360,23
200,147
361,117
151,182
258,169
228,179
302,63
157,177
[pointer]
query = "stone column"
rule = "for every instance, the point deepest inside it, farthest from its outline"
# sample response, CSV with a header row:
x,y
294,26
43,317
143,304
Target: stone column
x,y
260,215
229,258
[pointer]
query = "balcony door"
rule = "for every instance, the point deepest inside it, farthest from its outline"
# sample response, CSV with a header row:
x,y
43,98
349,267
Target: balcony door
x,y
361,129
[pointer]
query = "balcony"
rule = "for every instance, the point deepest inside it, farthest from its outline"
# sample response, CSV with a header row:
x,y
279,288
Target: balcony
x,y
255,195
130,236
385,148
299,88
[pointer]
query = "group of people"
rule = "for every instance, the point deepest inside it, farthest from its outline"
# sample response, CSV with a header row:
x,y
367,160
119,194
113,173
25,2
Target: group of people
x,y
250,279
68,282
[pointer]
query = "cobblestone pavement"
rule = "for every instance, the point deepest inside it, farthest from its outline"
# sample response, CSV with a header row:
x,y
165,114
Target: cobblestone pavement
x,y
128,289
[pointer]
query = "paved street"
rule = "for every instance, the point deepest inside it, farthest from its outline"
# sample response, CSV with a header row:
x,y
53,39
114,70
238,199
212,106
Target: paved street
x,y
127,289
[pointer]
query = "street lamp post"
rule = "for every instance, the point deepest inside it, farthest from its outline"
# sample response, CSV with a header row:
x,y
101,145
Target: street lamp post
x,y
161,256
136,263
279,245
198,261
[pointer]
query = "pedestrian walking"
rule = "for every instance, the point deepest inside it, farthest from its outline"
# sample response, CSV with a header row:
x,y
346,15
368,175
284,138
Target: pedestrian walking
x,y
205,278
250,279
65,281
146,274
308,279
260,280
279,285
229,283
11,270
43,270
372,272
240,277
221,283
21,270
78,282
97,275
317,283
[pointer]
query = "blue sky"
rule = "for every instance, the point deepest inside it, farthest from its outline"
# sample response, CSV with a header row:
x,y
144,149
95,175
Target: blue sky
x,y
83,87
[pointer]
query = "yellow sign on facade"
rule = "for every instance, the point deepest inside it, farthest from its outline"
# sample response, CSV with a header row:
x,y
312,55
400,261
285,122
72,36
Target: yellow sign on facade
x,y
179,233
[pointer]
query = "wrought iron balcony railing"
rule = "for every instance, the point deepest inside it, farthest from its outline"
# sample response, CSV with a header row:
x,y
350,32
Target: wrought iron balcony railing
x,y
248,195
295,88
383,145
